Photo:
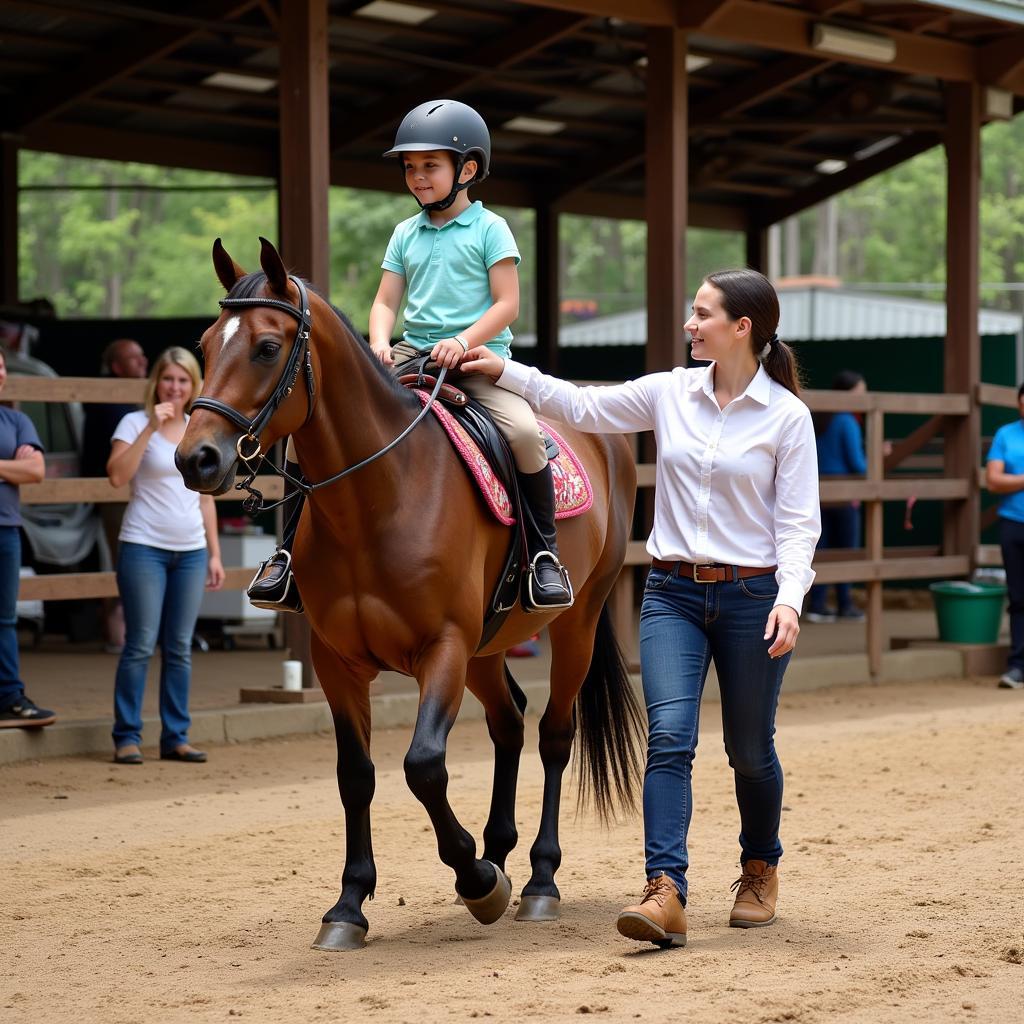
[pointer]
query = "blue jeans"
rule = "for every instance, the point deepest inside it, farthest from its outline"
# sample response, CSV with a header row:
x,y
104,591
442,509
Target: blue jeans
x,y
840,528
683,626
161,592
1011,541
11,686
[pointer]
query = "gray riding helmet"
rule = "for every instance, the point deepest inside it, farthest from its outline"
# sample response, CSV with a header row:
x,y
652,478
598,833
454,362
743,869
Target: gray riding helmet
x,y
445,124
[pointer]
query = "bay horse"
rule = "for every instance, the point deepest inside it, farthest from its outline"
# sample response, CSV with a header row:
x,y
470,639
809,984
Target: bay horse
x,y
396,563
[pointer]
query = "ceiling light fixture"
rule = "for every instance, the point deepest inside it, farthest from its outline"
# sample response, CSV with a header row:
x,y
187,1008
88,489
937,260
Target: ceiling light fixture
x,y
848,43
400,14
535,125
998,104
240,80
830,166
694,62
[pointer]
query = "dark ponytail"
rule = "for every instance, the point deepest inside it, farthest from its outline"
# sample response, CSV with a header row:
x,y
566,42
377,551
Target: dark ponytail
x,y
750,294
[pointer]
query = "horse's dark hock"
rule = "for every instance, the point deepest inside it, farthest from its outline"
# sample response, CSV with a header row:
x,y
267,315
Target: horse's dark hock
x,y
396,564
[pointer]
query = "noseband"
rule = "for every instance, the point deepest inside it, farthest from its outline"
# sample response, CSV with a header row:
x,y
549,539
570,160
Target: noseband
x,y
254,457
286,382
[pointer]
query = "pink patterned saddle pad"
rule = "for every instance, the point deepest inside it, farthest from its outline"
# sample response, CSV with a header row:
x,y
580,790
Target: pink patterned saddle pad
x,y
573,493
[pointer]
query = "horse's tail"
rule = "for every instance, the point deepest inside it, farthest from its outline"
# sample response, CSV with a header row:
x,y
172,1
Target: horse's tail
x,y
611,728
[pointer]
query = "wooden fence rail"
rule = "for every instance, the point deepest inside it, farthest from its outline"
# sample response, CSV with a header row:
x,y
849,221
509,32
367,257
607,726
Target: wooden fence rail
x,y
870,565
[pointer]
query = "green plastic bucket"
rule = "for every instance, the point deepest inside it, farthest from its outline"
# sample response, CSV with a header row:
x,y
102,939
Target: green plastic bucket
x,y
968,613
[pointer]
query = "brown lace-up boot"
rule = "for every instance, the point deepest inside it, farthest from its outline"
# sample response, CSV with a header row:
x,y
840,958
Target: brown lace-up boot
x,y
757,891
659,917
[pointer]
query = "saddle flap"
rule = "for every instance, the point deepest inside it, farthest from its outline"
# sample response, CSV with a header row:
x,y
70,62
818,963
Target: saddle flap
x,y
573,492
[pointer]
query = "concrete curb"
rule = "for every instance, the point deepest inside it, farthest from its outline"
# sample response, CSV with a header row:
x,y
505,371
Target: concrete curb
x,y
393,710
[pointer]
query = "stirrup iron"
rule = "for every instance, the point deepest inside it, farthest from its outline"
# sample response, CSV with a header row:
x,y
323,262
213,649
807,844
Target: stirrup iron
x,y
282,596
533,590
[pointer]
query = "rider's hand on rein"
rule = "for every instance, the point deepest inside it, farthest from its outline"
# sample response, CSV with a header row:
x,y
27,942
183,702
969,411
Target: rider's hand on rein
x,y
448,353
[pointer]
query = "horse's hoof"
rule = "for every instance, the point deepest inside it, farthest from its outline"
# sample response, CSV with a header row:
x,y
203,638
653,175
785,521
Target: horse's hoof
x,y
338,936
539,908
489,908
459,901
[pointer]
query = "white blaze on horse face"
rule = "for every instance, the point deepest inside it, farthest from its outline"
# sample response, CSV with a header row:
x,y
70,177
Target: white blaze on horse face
x,y
229,330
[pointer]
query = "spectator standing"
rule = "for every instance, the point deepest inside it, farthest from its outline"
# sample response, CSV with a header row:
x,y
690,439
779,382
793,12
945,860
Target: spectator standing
x,y
168,548
21,462
840,443
121,358
1004,475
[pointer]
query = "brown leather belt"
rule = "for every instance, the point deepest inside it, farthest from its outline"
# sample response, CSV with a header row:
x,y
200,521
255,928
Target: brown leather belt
x,y
714,572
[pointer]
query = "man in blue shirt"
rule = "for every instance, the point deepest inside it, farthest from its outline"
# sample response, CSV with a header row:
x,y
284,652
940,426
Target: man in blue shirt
x,y
1004,474
840,444
21,462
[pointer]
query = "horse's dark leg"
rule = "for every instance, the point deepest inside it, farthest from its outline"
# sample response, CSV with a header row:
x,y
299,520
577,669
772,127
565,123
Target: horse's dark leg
x,y
571,643
504,702
482,885
344,926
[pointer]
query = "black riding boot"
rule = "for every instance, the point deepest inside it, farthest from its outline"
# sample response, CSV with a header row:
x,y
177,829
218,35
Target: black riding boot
x,y
547,582
274,585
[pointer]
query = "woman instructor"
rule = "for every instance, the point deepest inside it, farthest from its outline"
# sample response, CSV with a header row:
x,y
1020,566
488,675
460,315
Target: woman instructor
x,y
735,524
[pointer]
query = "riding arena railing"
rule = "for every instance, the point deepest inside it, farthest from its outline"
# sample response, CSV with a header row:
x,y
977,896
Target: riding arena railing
x,y
872,565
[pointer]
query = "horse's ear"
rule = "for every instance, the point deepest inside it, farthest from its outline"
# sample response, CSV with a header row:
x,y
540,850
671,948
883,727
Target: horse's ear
x,y
273,267
228,271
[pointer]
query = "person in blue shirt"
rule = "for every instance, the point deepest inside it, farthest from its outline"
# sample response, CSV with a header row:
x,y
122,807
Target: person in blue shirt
x,y
454,264
1004,475
21,462
840,453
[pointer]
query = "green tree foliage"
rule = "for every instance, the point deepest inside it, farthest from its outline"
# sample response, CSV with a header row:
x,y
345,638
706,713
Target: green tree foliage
x,y
892,228
95,251
145,251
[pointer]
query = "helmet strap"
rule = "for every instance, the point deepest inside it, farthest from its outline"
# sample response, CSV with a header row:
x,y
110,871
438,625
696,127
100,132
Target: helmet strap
x,y
457,187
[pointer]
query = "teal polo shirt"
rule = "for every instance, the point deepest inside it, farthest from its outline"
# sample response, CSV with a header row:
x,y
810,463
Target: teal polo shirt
x,y
1008,448
447,287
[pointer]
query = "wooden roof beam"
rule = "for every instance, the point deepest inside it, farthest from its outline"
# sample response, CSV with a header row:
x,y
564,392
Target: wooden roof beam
x,y
788,29
855,173
537,32
817,124
756,88
775,27
1001,62
701,15
166,150
625,156
464,11
640,12
118,56
271,13
825,7
180,111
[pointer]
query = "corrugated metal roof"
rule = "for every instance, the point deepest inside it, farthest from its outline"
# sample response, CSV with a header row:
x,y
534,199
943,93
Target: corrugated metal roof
x,y
1007,10
808,314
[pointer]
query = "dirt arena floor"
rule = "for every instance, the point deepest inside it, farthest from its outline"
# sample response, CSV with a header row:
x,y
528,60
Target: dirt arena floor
x,y
191,893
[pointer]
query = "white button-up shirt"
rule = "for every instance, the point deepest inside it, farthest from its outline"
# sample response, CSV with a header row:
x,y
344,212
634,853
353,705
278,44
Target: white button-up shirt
x,y
737,485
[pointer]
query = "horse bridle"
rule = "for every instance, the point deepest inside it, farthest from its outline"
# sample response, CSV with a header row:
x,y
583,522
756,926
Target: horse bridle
x,y
300,354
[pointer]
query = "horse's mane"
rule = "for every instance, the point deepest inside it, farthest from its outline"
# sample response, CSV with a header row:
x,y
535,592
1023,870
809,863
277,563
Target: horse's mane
x,y
253,286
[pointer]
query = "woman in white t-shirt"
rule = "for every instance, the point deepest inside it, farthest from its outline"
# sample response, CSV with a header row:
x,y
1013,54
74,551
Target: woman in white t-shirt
x,y
735,524
168,551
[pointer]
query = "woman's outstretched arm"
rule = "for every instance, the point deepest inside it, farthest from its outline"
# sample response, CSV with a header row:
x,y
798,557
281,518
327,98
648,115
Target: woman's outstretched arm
x,y
613,408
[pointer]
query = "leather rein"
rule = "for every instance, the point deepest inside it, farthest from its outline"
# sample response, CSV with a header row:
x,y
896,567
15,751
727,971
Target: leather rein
x,y
250,451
